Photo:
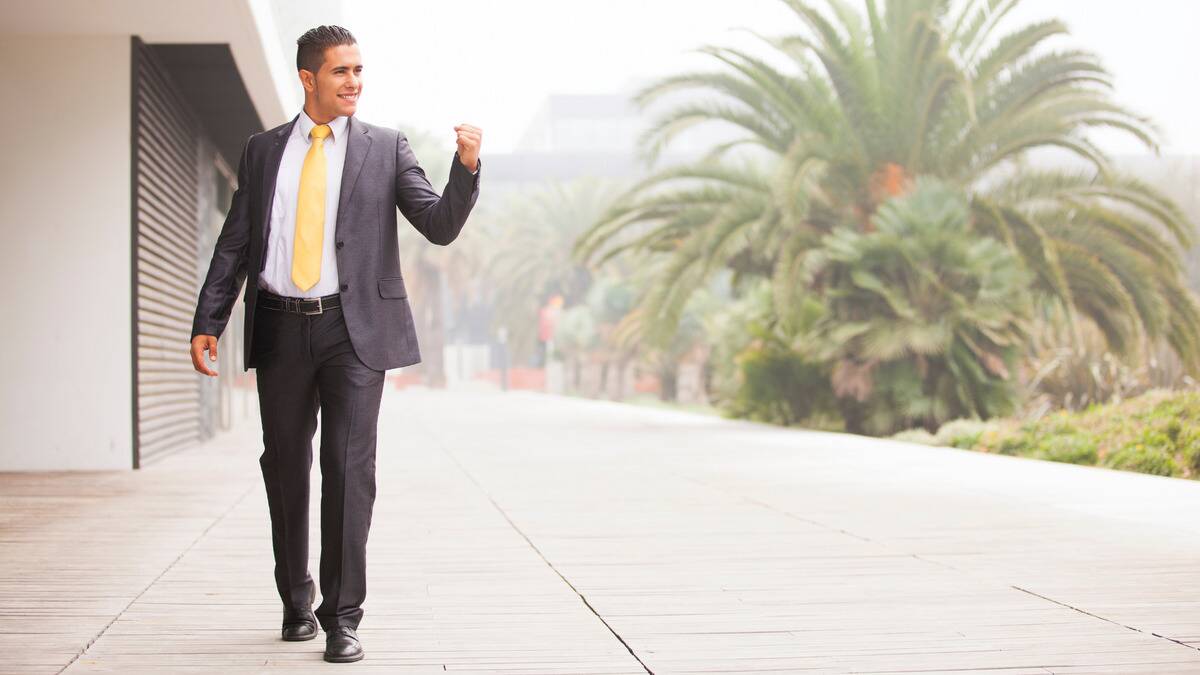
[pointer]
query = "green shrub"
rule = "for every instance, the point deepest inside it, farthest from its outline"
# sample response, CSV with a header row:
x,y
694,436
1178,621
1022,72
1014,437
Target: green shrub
x,y
782,387
961,433
1137,457
1059,424
916,436
1188,444
1173,429
1070,448
1018,444
1157,432
1156,440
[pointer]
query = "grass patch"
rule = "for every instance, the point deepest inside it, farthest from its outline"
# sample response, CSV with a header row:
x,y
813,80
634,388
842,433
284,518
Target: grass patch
x,y
1156,433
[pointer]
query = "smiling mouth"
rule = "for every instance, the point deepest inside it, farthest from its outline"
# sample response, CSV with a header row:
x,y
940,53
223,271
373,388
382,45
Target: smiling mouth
x,y
348,97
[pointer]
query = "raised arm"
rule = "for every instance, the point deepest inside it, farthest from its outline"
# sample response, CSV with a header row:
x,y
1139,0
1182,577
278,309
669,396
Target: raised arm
x,y
438,217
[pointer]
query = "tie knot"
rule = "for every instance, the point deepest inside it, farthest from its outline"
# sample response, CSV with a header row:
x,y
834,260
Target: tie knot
x,y
320,131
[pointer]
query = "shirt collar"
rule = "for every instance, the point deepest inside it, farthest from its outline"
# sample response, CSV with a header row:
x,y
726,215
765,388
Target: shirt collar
x,y
337,125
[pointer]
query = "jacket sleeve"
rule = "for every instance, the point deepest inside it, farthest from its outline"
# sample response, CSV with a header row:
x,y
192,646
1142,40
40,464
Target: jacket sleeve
x,y
227,270
438,217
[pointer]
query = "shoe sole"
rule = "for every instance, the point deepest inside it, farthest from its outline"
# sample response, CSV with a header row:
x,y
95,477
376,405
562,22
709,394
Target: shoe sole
x,y
344,659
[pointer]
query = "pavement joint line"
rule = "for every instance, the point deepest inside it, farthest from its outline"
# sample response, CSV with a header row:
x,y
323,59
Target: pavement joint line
x,y
831,528
160,575
789,514
846,532
1097,616
442,446
951,670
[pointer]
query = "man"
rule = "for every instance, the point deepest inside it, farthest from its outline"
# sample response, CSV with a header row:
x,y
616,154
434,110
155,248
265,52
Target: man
x,y
312,231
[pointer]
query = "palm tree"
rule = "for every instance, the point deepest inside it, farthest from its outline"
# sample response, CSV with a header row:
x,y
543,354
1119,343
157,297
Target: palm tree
x,y
529,244
925,318
636,334
872,100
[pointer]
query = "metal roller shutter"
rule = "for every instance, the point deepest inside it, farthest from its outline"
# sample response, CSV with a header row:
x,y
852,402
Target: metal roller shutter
x,y
167,138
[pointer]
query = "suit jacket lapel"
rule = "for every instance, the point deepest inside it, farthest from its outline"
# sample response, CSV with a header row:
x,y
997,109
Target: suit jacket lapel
x,y
359,140
356,154
271,172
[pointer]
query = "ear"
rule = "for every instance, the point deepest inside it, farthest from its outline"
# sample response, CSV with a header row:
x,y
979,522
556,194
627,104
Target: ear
x,y
308,80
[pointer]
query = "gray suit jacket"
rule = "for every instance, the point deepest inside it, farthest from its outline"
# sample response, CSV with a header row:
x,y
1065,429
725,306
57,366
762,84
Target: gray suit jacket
x,y
381,173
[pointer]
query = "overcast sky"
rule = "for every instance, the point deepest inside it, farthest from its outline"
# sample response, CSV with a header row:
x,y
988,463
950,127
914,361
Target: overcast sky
x,y
491,63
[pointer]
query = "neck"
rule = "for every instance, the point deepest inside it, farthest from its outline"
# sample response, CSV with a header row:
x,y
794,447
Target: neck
x,y
317,117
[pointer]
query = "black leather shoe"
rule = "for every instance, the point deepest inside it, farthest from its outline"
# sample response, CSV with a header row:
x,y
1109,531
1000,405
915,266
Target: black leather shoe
x,y
301,623
342,645
300,628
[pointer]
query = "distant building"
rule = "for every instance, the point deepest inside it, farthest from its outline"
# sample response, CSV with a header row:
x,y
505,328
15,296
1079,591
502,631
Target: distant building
x,y
124,124
590,135
571,136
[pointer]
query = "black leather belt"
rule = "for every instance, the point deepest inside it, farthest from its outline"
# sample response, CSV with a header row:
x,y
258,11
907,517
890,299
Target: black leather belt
x,y
298,305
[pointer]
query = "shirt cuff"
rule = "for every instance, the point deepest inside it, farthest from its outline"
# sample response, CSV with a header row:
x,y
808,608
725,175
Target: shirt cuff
x,y
478,164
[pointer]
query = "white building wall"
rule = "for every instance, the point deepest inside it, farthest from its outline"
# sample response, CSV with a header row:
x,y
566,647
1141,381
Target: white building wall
x,y
65,357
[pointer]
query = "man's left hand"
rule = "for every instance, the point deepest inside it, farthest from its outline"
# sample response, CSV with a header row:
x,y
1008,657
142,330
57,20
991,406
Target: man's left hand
x,y
469,139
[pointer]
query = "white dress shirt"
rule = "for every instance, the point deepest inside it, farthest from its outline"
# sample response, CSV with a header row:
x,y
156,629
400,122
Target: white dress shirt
x,y
277,274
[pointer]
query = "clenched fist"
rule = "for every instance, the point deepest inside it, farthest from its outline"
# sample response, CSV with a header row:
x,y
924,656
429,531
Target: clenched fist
x,y
469,138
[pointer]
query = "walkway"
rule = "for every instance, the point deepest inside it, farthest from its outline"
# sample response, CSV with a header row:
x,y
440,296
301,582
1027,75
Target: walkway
x,y
525,533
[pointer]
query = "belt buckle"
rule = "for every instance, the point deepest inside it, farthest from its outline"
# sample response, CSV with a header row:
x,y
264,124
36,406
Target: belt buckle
x,y
320,308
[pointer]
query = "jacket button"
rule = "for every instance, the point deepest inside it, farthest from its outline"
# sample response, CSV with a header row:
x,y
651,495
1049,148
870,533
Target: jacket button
x,y
345,286
340,244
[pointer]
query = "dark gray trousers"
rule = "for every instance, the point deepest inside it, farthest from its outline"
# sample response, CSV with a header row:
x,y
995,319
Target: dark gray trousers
x,y
306,363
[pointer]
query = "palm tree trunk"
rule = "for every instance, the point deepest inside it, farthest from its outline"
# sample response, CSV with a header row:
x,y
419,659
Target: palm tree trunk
x,y
852,414
669,379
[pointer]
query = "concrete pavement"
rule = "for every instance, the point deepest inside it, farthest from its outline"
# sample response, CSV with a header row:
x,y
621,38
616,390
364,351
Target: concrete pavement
x,y
526,533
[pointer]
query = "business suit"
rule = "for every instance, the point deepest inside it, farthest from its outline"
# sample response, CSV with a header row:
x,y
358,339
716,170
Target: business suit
x,y
380,174
334,360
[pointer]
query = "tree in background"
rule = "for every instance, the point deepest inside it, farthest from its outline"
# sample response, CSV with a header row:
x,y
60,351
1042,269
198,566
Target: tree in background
x,y
611,299
939,310
529,258
664,352
871,101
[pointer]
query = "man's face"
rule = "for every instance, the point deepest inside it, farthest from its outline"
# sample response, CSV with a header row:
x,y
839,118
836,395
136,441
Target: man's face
x,y
338,84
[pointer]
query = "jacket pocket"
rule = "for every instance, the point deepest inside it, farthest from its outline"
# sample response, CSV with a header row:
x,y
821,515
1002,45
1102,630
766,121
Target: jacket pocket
x,y
392,287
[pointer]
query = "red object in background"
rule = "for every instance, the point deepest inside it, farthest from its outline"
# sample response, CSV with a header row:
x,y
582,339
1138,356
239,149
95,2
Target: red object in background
x,y
402,380
647,384
545,324
518,378
548,318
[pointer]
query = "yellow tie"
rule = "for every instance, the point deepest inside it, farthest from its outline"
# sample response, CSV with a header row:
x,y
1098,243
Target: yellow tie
x,y
310,213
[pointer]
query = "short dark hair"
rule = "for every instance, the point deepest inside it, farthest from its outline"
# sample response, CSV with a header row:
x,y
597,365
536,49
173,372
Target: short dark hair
x,y
310,47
